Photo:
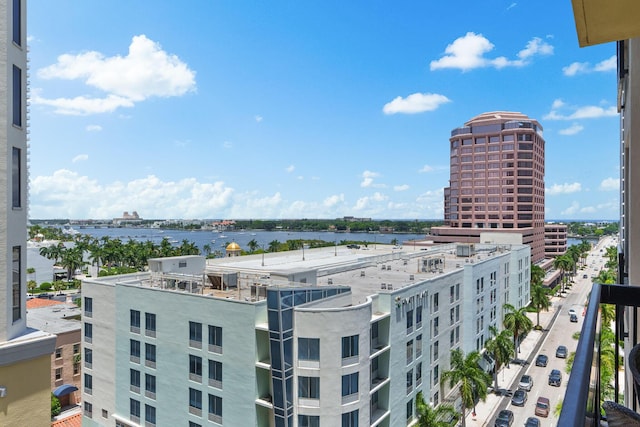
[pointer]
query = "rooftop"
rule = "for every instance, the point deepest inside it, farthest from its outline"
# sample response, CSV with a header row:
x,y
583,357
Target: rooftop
x,y
53,318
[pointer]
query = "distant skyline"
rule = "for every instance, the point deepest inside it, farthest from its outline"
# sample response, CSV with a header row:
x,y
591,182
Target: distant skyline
x,y
304,110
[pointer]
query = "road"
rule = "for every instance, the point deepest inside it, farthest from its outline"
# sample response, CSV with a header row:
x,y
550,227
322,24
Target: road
x,y
560,332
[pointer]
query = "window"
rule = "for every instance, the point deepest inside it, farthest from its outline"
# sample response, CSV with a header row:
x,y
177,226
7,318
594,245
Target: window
x,y
410,409
134,381
195,399
418,346
88,357
17,22
435,305
58,374
309,387
215,339
215,374
349,384
195,334
88,410
419,317
419,374
409,321
215,408
134,350
436,328
192,424
134,410
88,383
350,346
134,321
436,374
409,352
150,386
150,414
76,349
308,421
195,368
88,332
105,413
308,349
409,381
350,419
150,355
436,346
16,291
76,368
88,306
150,324
17,96
16,179
58,352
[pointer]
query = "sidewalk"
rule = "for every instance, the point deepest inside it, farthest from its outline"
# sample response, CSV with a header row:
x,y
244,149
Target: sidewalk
x,y
485,411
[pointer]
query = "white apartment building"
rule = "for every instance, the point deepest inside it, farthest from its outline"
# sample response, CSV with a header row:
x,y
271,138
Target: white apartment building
x,y
331,337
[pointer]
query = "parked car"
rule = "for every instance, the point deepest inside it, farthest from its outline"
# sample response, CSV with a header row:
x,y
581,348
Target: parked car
x,y
542,407
504,419
573,318
542,360
555,378
584,276
519,398
353,246
561,352
526,382
532,422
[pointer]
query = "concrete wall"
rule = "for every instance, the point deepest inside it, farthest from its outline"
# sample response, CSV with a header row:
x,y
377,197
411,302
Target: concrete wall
x,y
28,399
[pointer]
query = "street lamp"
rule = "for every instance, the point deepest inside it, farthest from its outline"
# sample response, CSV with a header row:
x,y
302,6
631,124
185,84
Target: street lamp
x,y
303,250
263,255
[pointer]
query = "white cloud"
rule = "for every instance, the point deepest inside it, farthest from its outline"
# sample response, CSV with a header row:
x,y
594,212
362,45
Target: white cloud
x,y
610,184
146,71
93,128
258,118
571,130
80,158
290,168
572,210
565,188
227,144
574,68
332,201
367,178
468,52
415,103
425,169
299,177
403,187
512,5
579,113
70,195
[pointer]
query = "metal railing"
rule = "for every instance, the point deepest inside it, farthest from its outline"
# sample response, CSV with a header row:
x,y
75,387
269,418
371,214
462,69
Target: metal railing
x,y
581,405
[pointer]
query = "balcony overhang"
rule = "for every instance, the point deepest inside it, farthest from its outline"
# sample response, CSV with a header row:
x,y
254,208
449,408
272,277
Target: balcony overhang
x,y
602,21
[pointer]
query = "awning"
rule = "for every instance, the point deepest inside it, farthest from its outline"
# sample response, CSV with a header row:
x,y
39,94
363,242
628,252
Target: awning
x,y
64,389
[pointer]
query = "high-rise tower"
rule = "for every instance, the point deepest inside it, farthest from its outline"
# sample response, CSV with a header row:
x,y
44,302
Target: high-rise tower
x,y
496,182
25,365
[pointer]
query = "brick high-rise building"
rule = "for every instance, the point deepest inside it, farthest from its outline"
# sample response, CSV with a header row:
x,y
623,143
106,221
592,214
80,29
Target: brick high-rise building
x,y
496,182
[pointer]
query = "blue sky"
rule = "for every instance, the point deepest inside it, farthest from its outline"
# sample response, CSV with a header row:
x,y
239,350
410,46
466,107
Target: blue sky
x,y
283,109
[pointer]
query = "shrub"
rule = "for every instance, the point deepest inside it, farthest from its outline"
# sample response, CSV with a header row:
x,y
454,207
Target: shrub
x,y
55,406
45,286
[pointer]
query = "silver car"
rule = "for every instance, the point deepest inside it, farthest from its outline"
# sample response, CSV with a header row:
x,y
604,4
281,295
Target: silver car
x,y
526,382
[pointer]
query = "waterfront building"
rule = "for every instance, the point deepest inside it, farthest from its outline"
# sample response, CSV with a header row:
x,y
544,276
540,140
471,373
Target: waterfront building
x,y
25,365
496,181
336,336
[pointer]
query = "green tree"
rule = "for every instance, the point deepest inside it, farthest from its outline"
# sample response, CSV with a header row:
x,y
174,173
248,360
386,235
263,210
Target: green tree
x,y
540,300
55,406
253,245
274,246
517,321
444,415
501,349
563,263
471,380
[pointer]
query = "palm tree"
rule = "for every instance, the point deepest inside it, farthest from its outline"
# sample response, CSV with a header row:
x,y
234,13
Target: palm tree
x,y
444,415
564,264
501,348
472,381
537,274
540,300
274,245
253,245
206,249
517,321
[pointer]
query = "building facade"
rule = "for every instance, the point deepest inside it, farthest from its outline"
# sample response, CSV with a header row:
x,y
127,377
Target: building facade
x,y
341,337
24,353
496,181
555,240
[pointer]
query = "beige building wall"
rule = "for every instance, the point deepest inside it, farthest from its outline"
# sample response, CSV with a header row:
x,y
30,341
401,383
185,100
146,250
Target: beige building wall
x,y
28,399
68,348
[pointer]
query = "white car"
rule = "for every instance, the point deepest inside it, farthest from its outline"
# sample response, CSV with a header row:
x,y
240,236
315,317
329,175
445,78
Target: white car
x,y
572,311
526,382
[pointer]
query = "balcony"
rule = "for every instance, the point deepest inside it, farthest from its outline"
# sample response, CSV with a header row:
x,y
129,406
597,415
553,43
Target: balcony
x,y
582,406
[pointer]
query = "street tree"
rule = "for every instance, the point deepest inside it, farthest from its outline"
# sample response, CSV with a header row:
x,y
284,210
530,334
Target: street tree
x,y
501,349
517,321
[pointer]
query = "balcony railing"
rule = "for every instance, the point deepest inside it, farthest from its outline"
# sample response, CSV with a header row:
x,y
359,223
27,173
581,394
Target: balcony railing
x,y
582,405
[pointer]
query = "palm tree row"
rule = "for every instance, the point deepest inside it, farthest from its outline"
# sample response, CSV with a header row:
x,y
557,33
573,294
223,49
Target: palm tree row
x,y
113,252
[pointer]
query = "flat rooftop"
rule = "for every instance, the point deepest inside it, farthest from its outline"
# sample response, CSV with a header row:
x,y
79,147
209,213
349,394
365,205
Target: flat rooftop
x,y
56,318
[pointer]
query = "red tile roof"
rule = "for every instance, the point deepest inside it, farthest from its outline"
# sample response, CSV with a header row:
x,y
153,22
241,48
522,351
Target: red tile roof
x,y
71,421
41,302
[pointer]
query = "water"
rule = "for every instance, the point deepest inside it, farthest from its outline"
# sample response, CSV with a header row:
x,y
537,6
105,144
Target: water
x,y
219,240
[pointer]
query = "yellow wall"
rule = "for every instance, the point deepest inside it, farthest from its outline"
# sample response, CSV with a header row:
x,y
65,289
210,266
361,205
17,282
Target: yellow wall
x,y
28,399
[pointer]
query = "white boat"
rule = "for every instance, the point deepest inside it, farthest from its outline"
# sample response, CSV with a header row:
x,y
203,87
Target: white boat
x,y
222,236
